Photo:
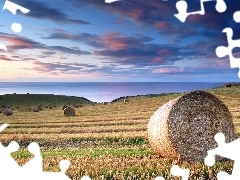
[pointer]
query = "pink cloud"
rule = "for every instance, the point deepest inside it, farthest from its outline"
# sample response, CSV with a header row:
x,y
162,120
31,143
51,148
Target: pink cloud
x,y
115,41
168,70
157,60
162,26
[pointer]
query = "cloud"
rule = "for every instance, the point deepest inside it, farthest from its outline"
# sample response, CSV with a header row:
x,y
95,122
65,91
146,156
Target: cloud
x,y
44,10
195,69
48,53
5,58
68,50
195,39
168,70
15,58
166,42
62,68
87,38
136,50
159,15
19,43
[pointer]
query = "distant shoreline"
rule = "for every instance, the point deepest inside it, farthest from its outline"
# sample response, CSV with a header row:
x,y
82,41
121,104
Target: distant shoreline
x,y
105,92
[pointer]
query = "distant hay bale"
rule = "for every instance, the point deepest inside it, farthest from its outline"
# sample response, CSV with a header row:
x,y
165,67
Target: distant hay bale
x,y
7,112
68,111
50,107
40,108
184,128
76,106
0,110
228,85
63,107
35,109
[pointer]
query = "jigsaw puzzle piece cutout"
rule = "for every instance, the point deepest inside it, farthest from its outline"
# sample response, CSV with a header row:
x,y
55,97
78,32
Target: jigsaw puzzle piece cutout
x,y
227,150
223,176
182,15
12,7
3,47
222,51
6,159
159,178
85,178
35,164
111,1
182,7
53,176
236,16
221,6
3,126
177,171
64,164
7,164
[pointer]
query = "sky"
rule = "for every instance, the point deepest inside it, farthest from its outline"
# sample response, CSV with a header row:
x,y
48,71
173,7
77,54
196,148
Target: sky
x,y
123,41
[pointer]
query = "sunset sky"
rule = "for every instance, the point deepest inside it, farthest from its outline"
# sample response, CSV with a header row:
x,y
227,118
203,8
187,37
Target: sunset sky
x,y
128,40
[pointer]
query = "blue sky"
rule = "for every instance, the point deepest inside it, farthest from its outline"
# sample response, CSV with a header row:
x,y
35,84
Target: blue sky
x,y
128,40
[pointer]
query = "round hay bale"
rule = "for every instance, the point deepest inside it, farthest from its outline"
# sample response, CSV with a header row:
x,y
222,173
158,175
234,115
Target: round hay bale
x,y
63,107
76,106
0,110
35,109
68,111
184,128
40,108
7,112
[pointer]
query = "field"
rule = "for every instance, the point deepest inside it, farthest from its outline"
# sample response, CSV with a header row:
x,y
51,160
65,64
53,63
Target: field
x,y
102,141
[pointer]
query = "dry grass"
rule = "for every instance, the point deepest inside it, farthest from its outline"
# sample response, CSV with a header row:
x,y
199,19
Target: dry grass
x,y
185,127
103,141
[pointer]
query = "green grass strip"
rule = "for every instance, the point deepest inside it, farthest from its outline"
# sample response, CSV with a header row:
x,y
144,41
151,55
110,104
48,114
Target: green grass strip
x,y
98,152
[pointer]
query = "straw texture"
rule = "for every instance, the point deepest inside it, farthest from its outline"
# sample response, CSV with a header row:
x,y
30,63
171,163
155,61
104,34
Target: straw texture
x,y
7,112
68,111
184,128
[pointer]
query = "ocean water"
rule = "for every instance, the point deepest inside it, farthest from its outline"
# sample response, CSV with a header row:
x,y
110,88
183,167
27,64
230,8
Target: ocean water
x,y
103,91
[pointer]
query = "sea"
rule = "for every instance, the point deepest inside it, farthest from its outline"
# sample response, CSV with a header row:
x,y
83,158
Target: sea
x,y
103,91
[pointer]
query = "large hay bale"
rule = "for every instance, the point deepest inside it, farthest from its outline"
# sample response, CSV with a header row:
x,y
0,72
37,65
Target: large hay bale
x,y
184,128
0,110
68,111
7,112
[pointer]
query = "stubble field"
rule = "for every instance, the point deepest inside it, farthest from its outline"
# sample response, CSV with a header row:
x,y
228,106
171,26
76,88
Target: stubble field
x,y
106,141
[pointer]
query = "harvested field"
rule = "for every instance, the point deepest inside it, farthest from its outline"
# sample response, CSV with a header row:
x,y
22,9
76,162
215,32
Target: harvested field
x,y
184,128
105,142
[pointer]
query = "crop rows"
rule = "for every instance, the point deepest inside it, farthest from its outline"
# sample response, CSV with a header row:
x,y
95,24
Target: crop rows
x,y
103,141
